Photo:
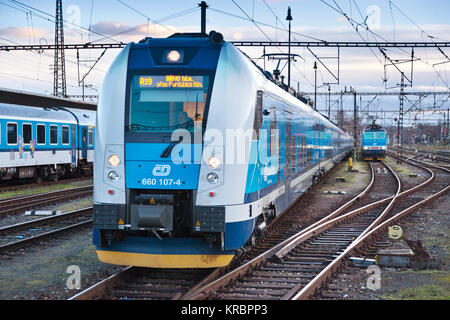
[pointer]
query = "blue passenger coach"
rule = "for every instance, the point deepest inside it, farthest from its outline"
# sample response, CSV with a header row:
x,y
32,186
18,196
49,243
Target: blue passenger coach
x,y
45,143
197,150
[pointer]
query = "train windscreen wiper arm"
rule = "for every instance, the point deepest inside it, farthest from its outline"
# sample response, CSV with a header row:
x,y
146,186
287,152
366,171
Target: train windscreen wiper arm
x,y
169,148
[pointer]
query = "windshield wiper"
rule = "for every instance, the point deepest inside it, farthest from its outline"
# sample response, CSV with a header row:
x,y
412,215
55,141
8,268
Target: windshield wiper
x,y
137,128
169,148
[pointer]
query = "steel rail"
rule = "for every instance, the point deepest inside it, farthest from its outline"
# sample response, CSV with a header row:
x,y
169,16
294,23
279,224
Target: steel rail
x,y
301,237
12,200
241,270
97,290
332,268
16,204
343,218
36,222
19,243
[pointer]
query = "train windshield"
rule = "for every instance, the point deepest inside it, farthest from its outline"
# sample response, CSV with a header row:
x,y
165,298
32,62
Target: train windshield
x,y
374,135
164,103
379,135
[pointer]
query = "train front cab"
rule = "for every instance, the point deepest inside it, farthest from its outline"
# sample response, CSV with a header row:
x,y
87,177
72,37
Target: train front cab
x,y
150,216
373,145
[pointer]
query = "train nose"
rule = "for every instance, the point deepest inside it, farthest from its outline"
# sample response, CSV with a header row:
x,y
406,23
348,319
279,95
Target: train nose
x,y
146,169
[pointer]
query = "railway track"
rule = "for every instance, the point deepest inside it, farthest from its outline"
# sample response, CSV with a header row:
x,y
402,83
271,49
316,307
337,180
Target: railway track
x,y
431,156
285,264
149,284
284,226
19,204
21,234
297,268
278,274
125,279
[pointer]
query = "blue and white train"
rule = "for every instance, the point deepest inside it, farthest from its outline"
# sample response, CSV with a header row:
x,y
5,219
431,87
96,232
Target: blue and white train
x,y
45,143
374,143
197,150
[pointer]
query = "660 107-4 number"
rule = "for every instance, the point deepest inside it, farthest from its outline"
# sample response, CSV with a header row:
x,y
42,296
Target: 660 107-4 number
x,y
160,182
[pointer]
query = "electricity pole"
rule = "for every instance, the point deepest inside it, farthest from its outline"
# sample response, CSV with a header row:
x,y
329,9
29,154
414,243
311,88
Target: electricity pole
x,y
59,71
315,85
289,18
203,7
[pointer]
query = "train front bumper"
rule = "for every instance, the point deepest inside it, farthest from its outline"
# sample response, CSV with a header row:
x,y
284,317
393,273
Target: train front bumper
x,y
164,253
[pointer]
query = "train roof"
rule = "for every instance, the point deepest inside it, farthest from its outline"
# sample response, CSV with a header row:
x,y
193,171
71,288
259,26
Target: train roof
x,y
374,130
199,40
21,112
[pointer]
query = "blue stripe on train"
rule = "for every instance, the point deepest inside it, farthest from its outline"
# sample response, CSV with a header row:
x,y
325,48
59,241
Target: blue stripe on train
x,y
147,170
237,233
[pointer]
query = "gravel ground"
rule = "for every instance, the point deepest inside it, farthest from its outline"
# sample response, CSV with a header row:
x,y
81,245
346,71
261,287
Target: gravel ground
x,y
43,189
40,272
319,204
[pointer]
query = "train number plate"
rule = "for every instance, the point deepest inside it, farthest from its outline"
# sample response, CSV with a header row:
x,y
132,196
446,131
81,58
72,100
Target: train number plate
x,y
160,182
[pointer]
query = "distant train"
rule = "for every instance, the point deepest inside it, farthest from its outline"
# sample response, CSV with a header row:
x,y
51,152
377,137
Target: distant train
x,y
197,150
45,143
374,143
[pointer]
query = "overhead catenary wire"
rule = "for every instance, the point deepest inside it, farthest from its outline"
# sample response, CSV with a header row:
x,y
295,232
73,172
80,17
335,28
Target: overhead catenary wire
x,y
256,23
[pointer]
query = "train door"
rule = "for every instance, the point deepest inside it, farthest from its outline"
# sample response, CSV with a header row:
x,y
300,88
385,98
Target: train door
x,y
288,148
74,145
84,132
275,146
316,144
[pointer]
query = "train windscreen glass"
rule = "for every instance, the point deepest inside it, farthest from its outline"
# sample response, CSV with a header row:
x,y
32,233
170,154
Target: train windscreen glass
x,y
161,103
379,135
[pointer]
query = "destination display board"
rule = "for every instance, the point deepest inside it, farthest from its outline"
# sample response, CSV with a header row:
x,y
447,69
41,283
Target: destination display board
x,y
171,81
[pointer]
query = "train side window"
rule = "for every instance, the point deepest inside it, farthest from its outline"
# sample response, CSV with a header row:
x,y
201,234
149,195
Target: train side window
x,y
258,114
91,136
294,154
40,133
11,132
26,133
65,134
304,151
53,134
273,135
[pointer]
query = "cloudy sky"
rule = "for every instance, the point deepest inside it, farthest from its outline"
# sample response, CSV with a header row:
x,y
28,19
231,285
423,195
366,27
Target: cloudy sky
x,y
32,22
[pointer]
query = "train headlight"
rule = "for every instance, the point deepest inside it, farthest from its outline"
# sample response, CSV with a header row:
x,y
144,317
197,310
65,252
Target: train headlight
x,y
173,56
113,160
213,162
113,176
212,178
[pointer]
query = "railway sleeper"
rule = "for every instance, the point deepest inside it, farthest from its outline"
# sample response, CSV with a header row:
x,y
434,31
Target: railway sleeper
x,y
124,294
263,281
264,284
151,288
251,291
285,275
293,268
